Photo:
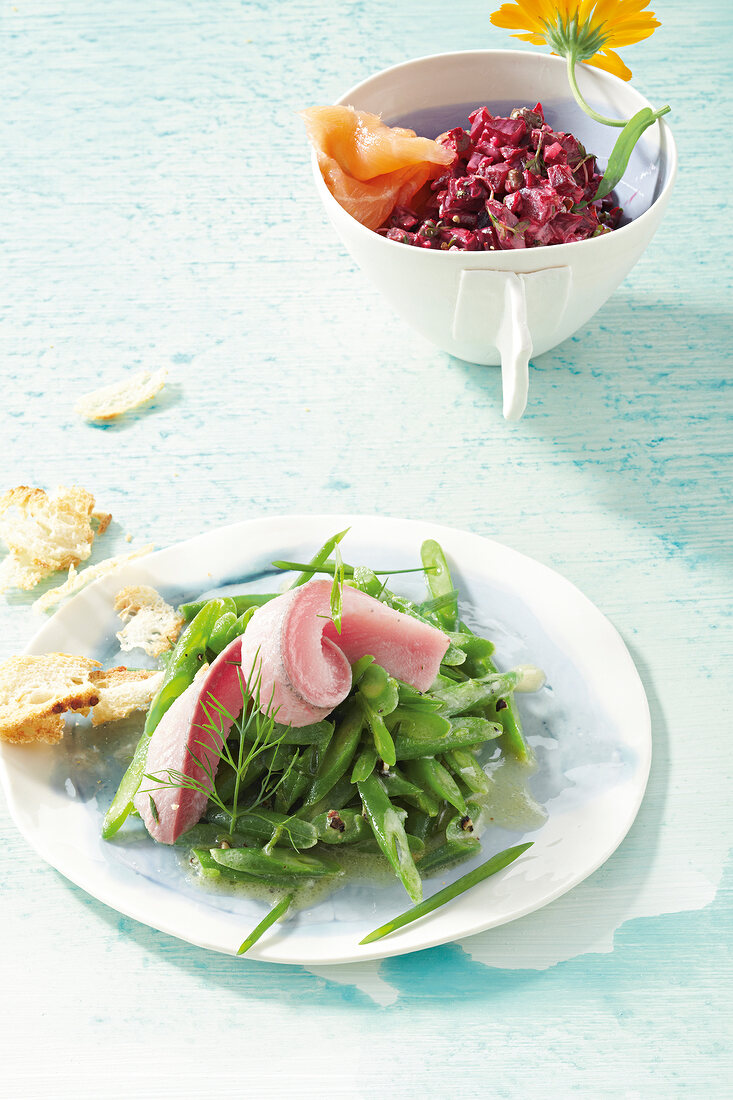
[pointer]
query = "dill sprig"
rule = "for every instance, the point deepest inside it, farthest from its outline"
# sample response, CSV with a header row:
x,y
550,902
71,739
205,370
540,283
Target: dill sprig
x,y
258,734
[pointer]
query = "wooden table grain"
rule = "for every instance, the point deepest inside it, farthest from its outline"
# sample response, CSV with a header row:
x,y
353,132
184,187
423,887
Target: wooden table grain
x,y
158,210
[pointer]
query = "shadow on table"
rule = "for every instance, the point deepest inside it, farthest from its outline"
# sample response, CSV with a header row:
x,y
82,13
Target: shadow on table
x,y
636,401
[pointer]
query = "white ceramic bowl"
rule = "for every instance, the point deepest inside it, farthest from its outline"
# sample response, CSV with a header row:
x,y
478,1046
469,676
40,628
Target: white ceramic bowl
x,y
502,307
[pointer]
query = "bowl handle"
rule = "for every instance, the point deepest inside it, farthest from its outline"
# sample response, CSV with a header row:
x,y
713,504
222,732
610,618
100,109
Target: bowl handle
x,y
499,302
515,347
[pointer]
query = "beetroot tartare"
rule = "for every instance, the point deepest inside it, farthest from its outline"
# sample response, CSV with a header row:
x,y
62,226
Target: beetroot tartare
x,y
513,183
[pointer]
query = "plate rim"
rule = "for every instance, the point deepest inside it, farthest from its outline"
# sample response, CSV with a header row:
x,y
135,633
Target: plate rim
x,y
401,942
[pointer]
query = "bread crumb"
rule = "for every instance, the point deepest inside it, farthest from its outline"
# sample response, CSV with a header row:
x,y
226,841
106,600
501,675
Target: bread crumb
x,y
76,581
152,624
128,537
46,533
109,402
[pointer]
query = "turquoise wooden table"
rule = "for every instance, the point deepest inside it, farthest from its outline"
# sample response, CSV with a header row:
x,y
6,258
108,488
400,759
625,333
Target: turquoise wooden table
x,y
158,210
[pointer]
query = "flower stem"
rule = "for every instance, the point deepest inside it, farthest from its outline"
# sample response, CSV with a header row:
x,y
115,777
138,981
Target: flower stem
x,y
620,122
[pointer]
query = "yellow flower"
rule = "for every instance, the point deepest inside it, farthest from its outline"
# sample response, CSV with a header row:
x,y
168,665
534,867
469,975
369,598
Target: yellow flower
x,y
585,29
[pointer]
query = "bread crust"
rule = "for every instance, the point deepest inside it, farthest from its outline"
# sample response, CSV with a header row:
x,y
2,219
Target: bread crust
x,y
36,691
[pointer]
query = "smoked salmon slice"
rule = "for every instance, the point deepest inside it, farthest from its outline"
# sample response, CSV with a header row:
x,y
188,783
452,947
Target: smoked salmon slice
x,y
370,167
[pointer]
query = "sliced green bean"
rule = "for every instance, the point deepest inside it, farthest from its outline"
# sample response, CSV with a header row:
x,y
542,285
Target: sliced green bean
x,y
429,773
279,863
458,698
421,724
365,764
490,867
242,601
296,779
337,758
440,583
260,825
511,724
418,824
341,794
341,826
397,786
447,854
387,825
371,845
239,625
317,733
211,869
218,639
460,829
383,743
463,732
379,689
466,767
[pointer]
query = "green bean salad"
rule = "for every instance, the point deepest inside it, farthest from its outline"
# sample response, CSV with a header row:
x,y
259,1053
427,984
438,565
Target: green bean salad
x,y
405,777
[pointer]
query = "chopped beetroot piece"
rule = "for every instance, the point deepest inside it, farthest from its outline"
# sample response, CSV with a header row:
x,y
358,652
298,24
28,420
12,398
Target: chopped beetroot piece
x,y
479,119
562,179
464,239
539,204
457,140
543,234
532,180
513,203
441,183
554,152
573,149
404,218
401,235
509,131
512,154
495,175
466,193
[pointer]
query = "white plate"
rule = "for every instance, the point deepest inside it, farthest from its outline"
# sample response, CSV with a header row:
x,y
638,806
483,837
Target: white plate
x,y
589,726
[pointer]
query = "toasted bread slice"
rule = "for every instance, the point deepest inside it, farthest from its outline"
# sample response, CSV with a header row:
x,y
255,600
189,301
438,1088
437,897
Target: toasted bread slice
x,y
45,533
112,401
123,690
36,692
152,624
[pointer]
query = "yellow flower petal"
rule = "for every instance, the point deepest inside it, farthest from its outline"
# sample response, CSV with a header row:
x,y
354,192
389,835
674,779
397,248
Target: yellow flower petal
x,y
610,62
584,11
627,36
513,17
535,39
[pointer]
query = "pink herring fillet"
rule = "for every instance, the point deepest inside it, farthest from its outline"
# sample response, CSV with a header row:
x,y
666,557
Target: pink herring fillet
x,y
185,726
304,663
409,650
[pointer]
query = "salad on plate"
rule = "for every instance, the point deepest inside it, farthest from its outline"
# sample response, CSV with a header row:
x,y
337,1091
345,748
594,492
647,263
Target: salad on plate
x,y
330,731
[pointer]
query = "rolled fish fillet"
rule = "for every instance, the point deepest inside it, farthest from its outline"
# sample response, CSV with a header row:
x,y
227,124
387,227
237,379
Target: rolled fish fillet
x,y
293,658
192,727
304,664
